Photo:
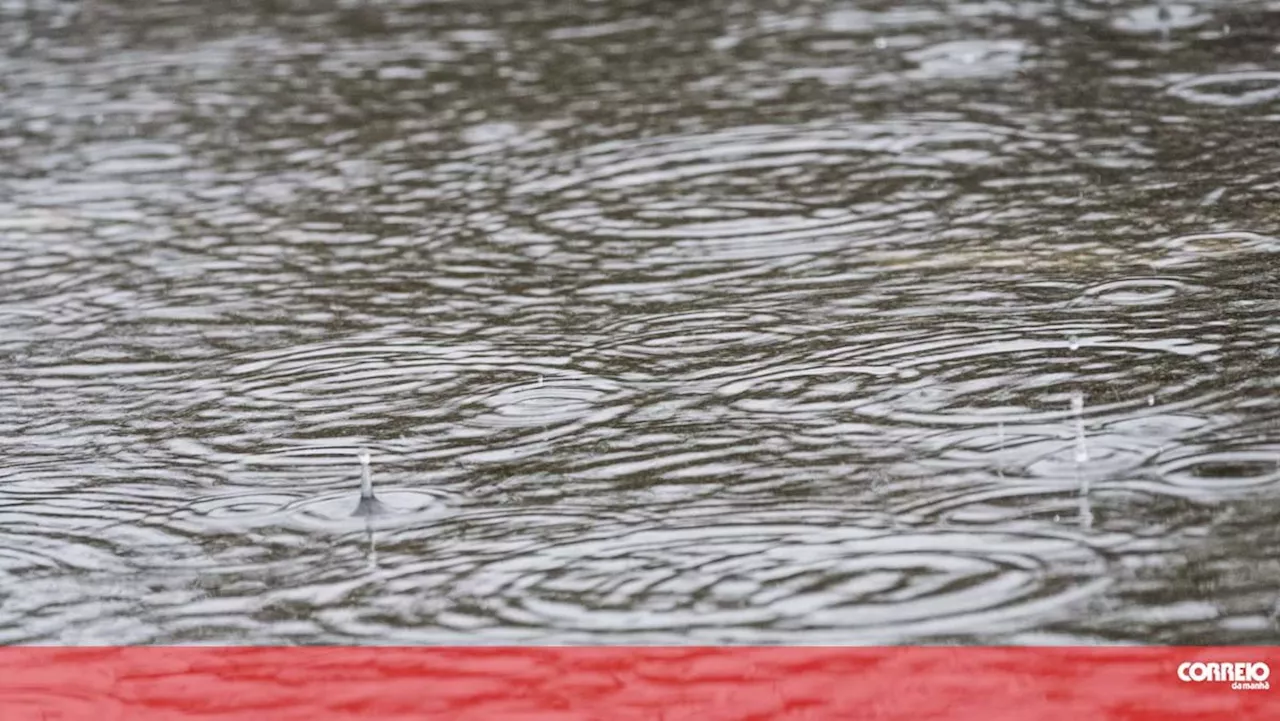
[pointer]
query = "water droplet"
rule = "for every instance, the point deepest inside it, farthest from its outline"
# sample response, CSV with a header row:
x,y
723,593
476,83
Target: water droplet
x,y
1077,407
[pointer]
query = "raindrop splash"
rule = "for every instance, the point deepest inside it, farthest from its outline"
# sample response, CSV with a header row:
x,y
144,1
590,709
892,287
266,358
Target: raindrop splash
x,y
369,504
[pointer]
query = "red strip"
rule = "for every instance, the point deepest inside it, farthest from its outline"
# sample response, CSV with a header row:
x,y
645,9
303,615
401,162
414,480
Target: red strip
x,y
675,684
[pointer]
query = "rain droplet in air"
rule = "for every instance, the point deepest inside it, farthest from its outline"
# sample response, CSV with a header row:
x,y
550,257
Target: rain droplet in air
x,y
1077,407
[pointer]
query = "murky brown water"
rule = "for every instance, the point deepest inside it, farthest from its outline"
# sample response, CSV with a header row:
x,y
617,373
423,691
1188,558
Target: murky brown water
x,y
664,321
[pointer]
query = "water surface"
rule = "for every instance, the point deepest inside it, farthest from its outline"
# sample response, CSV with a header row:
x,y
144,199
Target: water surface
x,y
833,322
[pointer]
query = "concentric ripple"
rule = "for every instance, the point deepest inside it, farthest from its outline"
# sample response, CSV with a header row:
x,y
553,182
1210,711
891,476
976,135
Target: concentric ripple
x,y
1195,248
543,402
726,195
804,390
728,575
1230,90
700,333
478,387
970,58
1161,17
967,377
1029,376
301,373
1049,453
254,510
1134,291
1218,472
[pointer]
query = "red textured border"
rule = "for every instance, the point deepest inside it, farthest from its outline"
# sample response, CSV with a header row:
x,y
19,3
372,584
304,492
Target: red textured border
x,y
608,683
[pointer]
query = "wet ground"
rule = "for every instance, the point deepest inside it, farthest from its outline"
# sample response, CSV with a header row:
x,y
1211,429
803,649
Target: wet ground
x,y
836,322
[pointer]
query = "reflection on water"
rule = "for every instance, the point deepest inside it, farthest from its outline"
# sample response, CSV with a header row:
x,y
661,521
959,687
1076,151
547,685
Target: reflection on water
x,y
735,322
